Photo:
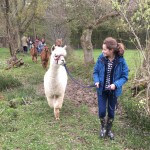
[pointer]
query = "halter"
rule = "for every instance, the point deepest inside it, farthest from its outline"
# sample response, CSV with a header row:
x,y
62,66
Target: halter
x,y
57,58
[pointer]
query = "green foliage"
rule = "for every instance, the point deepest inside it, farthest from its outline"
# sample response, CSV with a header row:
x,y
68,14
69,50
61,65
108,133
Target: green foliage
x,y
141,17
135,109
114,27
8,81
136,16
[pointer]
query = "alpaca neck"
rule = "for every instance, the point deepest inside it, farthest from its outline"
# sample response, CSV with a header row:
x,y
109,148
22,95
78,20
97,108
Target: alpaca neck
x,y
54,70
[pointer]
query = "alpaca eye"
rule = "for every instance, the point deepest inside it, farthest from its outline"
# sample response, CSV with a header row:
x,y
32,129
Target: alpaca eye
x,y
56,55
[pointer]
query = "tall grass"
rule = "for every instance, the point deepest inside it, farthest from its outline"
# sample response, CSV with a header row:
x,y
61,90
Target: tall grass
x,y
8,81
27,122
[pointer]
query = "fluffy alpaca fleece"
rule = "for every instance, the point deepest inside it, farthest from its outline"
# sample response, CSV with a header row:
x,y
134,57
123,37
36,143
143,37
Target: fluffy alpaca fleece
x,y
55,80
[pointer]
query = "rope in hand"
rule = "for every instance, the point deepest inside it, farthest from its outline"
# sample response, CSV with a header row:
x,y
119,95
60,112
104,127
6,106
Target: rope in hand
x,y
86,86
77,82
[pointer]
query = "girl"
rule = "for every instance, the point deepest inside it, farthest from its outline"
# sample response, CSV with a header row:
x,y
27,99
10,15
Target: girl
x,y
110,73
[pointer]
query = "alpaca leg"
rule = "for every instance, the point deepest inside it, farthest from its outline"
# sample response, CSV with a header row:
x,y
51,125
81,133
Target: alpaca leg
x,y
50,102
56,113
36,59
43,64
46,64
57,106
32,58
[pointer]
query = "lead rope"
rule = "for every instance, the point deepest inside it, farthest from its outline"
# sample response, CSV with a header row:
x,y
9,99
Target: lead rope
x,y
86,86
77,82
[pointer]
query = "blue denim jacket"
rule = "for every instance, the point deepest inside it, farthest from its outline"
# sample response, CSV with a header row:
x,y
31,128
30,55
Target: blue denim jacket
x,y
120,75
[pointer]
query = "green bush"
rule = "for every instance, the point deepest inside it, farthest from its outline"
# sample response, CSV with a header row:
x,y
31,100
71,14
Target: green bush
x,y
136,113
8,81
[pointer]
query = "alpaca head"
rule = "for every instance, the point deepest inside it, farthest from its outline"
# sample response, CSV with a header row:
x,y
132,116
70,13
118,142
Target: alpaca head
x,y
46,49
58,55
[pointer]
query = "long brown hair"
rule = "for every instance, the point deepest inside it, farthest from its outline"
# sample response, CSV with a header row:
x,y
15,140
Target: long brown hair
x,y
112,43
121,48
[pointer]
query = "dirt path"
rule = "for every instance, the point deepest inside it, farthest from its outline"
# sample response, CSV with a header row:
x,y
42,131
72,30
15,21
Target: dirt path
x,y
86,96
81,95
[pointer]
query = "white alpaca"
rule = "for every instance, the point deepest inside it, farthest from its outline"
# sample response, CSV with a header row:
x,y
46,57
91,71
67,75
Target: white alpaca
x,y
55,80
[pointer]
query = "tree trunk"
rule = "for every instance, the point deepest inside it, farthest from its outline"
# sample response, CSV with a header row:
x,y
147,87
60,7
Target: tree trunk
x,y
19,43
20,35
9,29
87,34
33,25
87,45
8,25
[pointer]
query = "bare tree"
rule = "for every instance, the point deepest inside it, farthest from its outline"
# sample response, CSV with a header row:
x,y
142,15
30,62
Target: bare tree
x,y
57,21
3,38
86,14
6,7
19,15
90,15
22,17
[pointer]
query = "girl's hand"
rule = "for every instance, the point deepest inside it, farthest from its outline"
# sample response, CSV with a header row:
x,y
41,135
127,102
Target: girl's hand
x,y
97,84
112,87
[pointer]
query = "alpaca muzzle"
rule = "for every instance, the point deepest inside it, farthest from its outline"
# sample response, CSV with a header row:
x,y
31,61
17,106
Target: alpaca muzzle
x,y
58,58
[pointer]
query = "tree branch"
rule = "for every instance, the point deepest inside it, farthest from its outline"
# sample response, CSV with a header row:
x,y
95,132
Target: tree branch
x,y
104,18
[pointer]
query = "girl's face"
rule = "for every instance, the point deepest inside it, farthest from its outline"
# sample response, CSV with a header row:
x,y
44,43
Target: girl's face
x,y
106,51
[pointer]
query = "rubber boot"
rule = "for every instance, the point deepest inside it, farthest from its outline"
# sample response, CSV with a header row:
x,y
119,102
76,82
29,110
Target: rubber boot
x,y
103,128
108,129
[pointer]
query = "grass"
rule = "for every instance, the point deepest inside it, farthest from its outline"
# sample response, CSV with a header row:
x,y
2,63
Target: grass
x,y
27,122
8,81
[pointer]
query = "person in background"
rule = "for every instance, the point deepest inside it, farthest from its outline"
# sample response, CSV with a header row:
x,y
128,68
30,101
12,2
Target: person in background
x,y
41,45
36,44
24,41
29,43
110,74
58,42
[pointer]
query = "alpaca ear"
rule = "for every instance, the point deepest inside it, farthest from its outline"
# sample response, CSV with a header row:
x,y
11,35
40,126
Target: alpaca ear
x,y
65,47
52,48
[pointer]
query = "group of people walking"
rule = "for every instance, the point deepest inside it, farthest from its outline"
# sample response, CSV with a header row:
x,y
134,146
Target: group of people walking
x,y
28,43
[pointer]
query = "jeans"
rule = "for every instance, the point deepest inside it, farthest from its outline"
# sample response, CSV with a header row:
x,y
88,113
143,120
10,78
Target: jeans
x,y
107,102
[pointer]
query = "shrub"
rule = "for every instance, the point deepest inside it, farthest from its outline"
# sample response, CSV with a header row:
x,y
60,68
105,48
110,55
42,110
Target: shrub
x,y
8,81
136,112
